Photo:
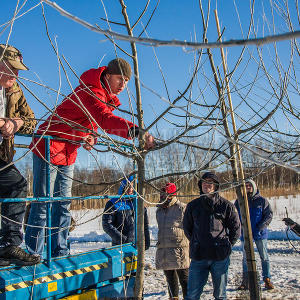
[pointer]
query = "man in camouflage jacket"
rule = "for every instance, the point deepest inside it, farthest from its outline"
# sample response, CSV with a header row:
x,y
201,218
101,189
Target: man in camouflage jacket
x,y
15,116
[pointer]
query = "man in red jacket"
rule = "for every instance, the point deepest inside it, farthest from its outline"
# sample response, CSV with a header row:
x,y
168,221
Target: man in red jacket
x,y
76,119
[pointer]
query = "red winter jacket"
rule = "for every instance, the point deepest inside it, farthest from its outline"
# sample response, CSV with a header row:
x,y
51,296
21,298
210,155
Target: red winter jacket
x,y
70,120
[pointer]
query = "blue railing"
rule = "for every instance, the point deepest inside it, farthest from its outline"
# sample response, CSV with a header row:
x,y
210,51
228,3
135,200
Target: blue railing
x,y
51,199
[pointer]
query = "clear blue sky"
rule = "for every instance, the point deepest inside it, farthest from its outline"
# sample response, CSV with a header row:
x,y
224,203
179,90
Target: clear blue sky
x,y
84,49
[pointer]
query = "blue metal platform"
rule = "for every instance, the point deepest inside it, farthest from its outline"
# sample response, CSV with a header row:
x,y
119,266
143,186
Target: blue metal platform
x,y
105,270
104,273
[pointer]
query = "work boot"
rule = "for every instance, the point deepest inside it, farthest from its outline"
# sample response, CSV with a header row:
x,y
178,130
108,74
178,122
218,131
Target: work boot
x,y
4,263
16,255
268,284
244,285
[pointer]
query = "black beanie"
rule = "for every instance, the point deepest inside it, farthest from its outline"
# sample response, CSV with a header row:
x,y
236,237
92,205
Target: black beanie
x,y
119,66
207,175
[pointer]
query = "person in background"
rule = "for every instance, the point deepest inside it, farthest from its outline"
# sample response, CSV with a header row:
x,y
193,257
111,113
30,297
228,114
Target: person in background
x,y
73,122
212,225
118,219
15,116
172,254
260,216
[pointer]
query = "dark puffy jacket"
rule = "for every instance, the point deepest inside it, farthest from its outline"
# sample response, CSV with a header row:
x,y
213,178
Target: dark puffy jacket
x,y
212,226
260,215
118,220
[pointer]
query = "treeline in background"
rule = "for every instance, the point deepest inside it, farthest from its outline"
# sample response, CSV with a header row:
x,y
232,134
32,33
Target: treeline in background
x,y
183,166
274,181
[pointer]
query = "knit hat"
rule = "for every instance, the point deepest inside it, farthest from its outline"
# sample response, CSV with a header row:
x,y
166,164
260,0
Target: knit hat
x,y
170,188
208,175
125,184
254,186
167,195
119,66
13,56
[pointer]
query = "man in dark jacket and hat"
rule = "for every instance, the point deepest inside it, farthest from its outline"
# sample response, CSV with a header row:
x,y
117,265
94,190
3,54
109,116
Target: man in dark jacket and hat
x,y
211,223
118,219
260,216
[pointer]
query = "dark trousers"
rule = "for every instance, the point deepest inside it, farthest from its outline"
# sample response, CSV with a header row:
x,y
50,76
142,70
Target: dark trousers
x,y
12,185
172,280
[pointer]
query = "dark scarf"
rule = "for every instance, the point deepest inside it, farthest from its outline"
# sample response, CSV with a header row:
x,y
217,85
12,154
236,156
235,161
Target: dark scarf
x,y
208,204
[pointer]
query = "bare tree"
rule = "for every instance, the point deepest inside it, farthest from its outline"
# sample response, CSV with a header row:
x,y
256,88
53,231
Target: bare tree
x,y
237,94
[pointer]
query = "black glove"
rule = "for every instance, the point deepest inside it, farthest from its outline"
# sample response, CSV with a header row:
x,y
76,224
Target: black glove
x,y
260,227
288,221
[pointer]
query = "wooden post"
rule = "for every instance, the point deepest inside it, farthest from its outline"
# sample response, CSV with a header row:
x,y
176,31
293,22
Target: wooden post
x,y
254,287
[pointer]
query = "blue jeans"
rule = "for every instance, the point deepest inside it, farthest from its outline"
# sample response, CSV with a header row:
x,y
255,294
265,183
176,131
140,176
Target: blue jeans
x,y
60,186
198,275
261,246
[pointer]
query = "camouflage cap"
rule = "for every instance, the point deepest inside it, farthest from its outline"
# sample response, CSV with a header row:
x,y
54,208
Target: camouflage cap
x,y
119,66
13,56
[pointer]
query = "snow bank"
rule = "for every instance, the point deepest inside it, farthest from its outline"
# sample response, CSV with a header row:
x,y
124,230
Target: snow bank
x,y
285,261
89,227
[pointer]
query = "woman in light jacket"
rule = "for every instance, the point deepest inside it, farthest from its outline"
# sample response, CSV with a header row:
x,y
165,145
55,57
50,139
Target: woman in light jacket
x,y
172,255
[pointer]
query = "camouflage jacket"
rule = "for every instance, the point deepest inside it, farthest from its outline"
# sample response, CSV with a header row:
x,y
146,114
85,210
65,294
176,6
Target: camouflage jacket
x,y
16,107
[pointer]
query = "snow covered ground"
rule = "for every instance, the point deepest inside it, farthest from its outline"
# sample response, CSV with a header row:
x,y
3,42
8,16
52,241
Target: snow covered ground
x,y
285,261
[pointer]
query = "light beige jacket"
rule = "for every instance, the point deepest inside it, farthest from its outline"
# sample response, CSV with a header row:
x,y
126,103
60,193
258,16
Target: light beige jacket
x,y
172,245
